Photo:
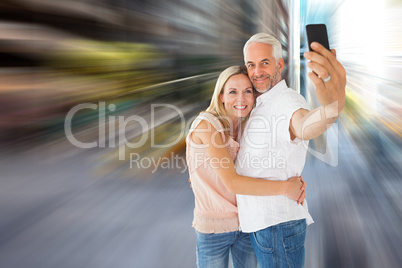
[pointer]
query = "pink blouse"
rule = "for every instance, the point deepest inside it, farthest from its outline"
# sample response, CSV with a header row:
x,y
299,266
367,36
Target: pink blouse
x,y
215,207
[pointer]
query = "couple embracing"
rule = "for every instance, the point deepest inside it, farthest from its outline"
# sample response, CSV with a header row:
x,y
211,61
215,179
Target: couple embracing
x,y
255,211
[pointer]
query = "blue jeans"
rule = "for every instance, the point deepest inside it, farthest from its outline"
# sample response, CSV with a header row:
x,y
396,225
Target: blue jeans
x,y
213,250
281,245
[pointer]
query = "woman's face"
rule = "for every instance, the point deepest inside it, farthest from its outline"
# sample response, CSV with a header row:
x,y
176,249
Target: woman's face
x,y
237,96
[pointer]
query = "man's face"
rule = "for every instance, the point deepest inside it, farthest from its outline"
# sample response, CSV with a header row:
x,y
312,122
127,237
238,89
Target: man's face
x,y
263,70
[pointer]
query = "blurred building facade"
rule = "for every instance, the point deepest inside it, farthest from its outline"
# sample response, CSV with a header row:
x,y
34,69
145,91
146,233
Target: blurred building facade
x,y
47,45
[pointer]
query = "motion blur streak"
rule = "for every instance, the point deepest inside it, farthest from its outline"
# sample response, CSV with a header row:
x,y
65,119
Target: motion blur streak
x,y
358,204
65,206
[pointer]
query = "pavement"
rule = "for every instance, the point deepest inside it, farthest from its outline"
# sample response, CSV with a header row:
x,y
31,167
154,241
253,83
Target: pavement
x,y
57,210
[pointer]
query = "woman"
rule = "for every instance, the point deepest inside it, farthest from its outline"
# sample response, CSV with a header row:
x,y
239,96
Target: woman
x,y
211,149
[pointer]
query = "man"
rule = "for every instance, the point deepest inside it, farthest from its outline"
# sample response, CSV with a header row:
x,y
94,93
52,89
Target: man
x,y
274,145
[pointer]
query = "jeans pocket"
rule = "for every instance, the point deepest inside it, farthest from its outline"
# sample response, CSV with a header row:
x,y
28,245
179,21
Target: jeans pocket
x,y
294,249
264,241
292,243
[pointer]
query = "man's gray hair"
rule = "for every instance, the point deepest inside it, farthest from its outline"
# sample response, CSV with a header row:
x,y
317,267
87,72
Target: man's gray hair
x,y
265,39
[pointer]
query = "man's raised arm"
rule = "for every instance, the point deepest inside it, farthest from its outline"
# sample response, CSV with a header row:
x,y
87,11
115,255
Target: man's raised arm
x,y
329,78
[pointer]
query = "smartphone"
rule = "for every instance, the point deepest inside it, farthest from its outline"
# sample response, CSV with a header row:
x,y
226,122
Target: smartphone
x,y
317,33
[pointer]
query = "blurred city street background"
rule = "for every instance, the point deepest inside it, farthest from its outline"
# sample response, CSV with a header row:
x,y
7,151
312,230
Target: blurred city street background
x,y
96,98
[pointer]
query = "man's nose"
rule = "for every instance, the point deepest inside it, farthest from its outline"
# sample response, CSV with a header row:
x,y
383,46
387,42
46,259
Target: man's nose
x,y
258,70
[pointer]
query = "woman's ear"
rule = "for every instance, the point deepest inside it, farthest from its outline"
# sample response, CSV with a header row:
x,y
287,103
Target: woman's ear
x,y
221,98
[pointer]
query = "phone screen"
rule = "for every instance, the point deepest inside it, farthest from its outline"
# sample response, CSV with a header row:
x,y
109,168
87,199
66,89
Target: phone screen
x,y
317,33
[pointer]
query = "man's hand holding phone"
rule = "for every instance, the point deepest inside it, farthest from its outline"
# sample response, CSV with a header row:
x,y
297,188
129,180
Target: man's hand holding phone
x,y
328,76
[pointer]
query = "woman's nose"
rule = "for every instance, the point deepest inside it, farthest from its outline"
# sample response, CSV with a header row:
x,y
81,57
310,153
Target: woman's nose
x,y
241,96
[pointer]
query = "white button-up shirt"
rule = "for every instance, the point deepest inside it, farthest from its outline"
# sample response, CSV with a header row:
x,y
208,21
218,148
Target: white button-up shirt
x,y
267,152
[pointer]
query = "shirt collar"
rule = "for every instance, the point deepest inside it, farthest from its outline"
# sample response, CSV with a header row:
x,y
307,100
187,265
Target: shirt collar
x,y
270,93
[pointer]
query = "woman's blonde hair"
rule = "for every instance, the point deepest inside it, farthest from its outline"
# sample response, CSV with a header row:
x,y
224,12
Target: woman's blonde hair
x,y
217,107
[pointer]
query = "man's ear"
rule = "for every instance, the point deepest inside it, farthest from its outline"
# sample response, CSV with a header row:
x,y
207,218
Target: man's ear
x,y
281,65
